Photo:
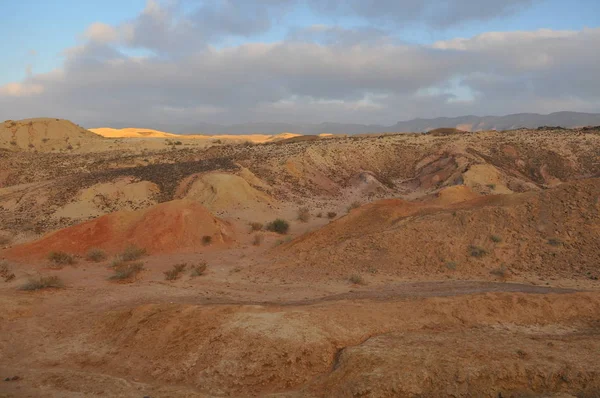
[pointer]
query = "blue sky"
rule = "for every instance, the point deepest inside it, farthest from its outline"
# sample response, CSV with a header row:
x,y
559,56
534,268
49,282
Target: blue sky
x,y
226,61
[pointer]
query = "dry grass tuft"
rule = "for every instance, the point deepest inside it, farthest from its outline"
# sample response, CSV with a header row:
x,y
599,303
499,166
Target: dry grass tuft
x,y
303,214
43,282
96,255
61,258
127,271
356,279
256,226
133,253
258,239
173,274
200,269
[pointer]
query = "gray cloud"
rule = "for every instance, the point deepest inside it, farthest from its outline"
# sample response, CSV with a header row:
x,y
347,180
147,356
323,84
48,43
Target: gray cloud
x,y
319,73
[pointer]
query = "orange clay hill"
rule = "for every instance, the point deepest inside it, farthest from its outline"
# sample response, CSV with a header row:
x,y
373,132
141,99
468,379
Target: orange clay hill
x,y
178,225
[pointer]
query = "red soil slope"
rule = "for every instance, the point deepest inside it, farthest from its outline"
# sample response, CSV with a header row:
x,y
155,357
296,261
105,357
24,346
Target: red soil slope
x,y
179,225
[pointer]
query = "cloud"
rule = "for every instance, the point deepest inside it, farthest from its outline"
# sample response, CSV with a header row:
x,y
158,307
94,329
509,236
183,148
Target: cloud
x,y
317,73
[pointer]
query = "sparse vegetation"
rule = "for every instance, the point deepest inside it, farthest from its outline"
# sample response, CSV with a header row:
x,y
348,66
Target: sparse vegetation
x,y
331,214
451,265
495,238
173,273
133,253
555,242
356,279
206,240
501,272
95,255
200,269
477,251
5,272
43,282
491,186
127,271
280,226
319,215
256,226
13,143
61,258
372,270
257,240
354,205
303,214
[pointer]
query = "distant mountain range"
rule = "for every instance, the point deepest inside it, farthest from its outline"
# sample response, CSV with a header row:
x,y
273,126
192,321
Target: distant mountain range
x,y
467,123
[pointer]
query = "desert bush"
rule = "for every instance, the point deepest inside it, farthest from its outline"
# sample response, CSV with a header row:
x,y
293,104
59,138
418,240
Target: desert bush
x,y
257,240
356,279
331,214
256,226
133,253
174,272
95,255
451,265
495,238
206,240
555,242
5,272
200,269
127,271
303,214
61,258
43,282
280,226
501,271
491,186
353,205
319,215
477,251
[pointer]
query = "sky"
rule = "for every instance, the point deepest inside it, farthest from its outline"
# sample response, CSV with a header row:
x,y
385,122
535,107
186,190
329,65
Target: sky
x,y
186,62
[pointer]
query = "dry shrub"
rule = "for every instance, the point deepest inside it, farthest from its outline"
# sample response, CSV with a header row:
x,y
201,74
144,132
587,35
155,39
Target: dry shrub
x,y
331,214
258,239
256,226
95,255
206,240
133,253
501,272
61,258
43,282
477,251
5,272
303,214
354,205
200,269
356,279
127,271
173,274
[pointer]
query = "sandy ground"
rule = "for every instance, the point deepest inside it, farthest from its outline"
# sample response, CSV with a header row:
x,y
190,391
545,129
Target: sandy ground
x,y
468,266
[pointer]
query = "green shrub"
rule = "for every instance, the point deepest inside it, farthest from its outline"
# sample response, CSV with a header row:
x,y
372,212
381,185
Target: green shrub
x,y
174,273
43,282
95,255
280,226
61,258
133,253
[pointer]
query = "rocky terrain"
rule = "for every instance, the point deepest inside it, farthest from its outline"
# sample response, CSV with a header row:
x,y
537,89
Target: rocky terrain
x,y
403,265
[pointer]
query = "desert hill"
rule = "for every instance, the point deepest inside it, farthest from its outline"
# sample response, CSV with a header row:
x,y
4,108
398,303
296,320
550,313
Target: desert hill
x,y
552,232
44,134
167,227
